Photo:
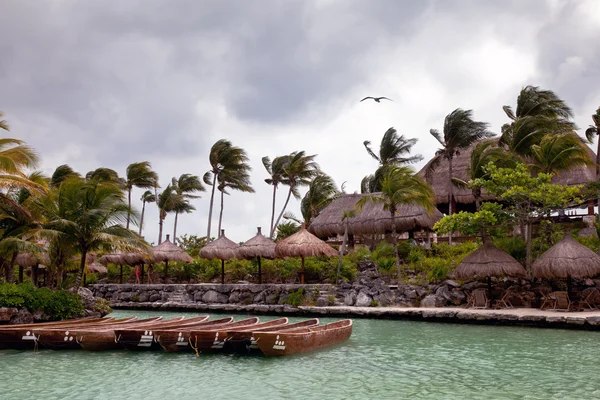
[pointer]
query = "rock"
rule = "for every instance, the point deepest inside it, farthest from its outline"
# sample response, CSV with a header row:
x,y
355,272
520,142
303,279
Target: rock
x,y
214,297
457,297
259,298
349,298
23,316
322,301
155,297
431,300
246,298
363,300
40,316
234,297
272,298
451,283
345,285
144,297
6,313
411,294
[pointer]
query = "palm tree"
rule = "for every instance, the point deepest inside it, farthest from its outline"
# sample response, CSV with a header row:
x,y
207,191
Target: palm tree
x,y
224,158
147,197
321,192
400,186
141,175
90,215
3,123
105,175
276,170
538,113
62,173
15,157
460,131
484,153
393,150
590,133
238,180
298,171
184,187
167,201
345,217
559,152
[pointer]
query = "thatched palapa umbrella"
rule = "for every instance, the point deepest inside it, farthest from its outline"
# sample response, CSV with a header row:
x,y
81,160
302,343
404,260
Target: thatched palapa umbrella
x,y
167,251
488,261
113,258
221,249
31,260
258,247
303,244
567,259
96,268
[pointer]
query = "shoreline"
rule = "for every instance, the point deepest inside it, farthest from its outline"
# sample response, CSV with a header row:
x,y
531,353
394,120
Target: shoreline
x,y
528,317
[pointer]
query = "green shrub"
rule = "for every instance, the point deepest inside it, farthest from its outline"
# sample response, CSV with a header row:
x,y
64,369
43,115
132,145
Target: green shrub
x,y
374,303
331,300
295,298
58,304
360,253
515,246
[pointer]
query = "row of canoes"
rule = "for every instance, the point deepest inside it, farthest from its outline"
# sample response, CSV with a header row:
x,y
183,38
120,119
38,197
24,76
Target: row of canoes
x,y
199,334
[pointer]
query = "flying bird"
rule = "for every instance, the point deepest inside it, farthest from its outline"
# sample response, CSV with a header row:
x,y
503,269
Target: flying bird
x,y
377,99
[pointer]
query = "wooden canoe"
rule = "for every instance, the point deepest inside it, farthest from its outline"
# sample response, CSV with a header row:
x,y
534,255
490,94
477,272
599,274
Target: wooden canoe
x,y
103,338
242,341
302,340
211,340
63,338
175,340
21,337
144,339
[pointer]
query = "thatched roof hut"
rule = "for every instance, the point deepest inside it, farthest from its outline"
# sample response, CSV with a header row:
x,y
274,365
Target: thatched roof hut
x,y
372,219
29,259
96,268
167,251
567,259
257,247
221,249
460,169
303,244
488,261
113,258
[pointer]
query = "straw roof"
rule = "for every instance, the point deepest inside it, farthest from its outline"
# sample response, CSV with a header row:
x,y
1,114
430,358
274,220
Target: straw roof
x,y
167,251
29,259
567,259
303,244
460,169
258,246
488,260
372,219
221,248
114,258
96,267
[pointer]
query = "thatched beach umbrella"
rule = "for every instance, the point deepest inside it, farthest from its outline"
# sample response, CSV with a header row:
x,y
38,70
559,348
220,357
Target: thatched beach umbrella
x,y
567,259
488,261
31,260
96,268
303,244
116,259
372,219
258,247
221,249
167,251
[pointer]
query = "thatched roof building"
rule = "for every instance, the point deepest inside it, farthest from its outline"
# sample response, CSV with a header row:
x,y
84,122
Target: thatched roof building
x,y
567,259
460,169
371,220
488,261
257,246
113,258
29,259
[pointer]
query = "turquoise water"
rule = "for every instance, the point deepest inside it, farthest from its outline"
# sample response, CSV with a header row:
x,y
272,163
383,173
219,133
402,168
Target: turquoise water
x,y
382,360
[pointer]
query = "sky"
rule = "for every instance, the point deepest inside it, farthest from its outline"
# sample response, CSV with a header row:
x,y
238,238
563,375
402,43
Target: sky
x,y
104,83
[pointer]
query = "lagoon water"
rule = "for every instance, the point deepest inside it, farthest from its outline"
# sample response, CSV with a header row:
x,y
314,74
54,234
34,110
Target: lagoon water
x,y
382,360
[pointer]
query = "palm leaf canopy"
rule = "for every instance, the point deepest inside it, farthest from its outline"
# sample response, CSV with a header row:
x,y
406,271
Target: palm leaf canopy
x,y
257,246
567,259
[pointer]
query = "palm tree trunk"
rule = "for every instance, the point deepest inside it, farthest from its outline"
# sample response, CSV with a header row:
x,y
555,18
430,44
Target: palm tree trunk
x,y
81,269
273,208
10,271
450,196
598,164
129,207
160,229
337,273
210,208
282,211
175,228
221,212
142,217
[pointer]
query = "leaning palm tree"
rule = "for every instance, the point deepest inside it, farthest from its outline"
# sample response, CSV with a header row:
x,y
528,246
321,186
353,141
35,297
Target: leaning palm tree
x,y
224,158
15,158
538,113
141,175
106,175
394,150
276,170
3,123
298,171
321,192
591,132
90,214
62,173
167,201
484,153
184,186
400,186
460,131
239,180
147,197
559,152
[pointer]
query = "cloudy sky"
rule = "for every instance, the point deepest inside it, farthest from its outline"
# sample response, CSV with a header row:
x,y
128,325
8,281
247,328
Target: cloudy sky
x,y
94,83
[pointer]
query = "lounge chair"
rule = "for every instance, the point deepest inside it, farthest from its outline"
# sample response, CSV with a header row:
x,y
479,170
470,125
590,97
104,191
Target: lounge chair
x,y
548,301
590,300
470,299
563,303
504,302
480,299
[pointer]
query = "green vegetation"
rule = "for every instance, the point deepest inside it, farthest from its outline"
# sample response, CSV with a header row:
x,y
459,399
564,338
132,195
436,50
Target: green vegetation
x,y
58,304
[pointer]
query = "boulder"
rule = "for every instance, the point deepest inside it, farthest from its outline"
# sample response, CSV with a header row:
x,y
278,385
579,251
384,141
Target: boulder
x,y
144,297
322,301
272,298
23,316
350,298
259,298
363,300
431,300
411,294
155,297
214,297
6,313
234,297
40,316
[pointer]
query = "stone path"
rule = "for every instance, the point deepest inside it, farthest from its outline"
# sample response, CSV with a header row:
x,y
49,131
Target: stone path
x,y
516,316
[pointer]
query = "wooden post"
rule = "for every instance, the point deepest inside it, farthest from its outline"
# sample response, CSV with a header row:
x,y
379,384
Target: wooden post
x,y
34,275
259,272
350,242
20,274
121,274
222,272
166,268
590,207
302,273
